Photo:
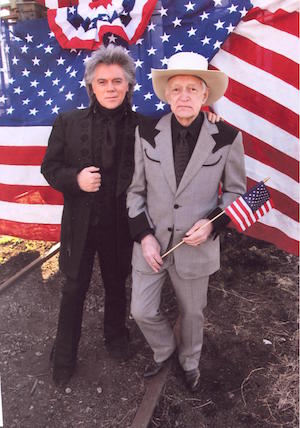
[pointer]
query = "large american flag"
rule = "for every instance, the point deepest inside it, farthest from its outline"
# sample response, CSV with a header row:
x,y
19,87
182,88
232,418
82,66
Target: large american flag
x,y
256,44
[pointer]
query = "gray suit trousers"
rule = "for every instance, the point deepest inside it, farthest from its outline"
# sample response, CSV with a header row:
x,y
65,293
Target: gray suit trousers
x,y
191,297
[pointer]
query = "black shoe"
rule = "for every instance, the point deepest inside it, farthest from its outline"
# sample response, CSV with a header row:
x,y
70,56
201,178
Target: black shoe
x,y
61,376
192,379
118,348
153,368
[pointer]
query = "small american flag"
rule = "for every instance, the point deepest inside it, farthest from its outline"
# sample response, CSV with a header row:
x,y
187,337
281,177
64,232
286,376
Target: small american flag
x,y
250,207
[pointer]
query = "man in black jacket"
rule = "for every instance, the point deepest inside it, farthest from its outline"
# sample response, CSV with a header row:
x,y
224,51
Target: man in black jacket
x,y
90,160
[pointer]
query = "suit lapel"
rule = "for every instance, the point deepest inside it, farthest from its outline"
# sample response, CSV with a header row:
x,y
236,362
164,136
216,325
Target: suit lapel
x,y
165,150
203,148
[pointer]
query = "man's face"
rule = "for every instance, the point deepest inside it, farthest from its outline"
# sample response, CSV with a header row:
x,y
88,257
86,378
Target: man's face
x,y
109,85
186,95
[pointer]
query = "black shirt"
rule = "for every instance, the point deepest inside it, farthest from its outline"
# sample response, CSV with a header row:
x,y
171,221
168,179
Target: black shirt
x,y
193,132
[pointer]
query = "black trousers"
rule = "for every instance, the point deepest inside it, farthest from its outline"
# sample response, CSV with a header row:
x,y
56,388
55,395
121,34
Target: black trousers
x,y
101,240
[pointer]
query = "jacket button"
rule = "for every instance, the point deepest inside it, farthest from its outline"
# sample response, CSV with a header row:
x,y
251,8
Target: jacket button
x,y
176,206
170,229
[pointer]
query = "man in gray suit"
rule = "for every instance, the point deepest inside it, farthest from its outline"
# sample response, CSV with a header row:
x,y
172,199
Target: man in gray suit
x,y
180,162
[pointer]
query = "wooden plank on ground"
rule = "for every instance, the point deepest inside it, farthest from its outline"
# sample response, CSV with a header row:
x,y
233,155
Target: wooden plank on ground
x,y
29,267
151,397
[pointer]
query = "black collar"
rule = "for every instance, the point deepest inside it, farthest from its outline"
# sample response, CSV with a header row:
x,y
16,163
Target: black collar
x,y
193,129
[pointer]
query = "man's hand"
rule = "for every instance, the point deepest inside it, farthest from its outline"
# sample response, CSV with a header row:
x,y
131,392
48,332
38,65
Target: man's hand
x,y
151,252
198,233
213,117
89,179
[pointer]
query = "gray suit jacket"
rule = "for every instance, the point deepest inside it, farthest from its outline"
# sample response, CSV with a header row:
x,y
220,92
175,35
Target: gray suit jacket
x,y
153,201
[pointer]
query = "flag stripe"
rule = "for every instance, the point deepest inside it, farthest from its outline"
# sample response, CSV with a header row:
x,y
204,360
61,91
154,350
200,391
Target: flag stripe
x,y
258,127
30,194
258,79
31,213
273,5
26,175
281,182
25,136
279,19
44,232
265,59
268,37
281,201
276,236
263,106
23,155
268,155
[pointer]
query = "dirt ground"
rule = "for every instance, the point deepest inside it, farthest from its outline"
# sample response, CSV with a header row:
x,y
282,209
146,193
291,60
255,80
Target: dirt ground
x,y
249,365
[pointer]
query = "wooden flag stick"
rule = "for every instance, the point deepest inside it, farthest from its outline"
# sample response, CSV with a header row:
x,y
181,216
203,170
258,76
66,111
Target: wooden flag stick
x,y
201,227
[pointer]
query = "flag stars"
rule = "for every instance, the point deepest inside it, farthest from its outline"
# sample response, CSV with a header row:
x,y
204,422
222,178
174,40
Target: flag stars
x,y
48,49
148,96
219,24
3,99
134,108
6,49
55,82
137,87
232,8
164,61
138,63
34,83
48,73
49,102
160,106
112,38
81,107
151,51
62,88
217,44
15,60
55,109
151,26
25,72
51,35
230,28
73,73
163,12
9,110
139,42
189,6
192,32
206,40
165,37
26,102
243,12
29,38
82,83
178,47
36,61
33,112
11,80
18,90
218,2
69,96
41,93
177,22
60,61
68,69
24,49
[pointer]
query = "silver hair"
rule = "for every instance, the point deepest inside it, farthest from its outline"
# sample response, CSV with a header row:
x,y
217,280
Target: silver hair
x,y
108,55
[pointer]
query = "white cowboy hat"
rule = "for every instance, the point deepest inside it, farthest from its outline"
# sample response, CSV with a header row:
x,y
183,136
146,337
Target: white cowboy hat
x,y
193,64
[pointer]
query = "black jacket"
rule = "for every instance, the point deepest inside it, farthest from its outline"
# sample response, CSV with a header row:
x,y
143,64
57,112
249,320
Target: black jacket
x,y
69,151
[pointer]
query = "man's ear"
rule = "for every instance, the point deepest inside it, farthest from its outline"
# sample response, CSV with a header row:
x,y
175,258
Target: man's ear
x,y
205,96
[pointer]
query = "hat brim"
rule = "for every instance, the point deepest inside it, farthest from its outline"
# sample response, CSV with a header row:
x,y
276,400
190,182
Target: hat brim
x,y
215,80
